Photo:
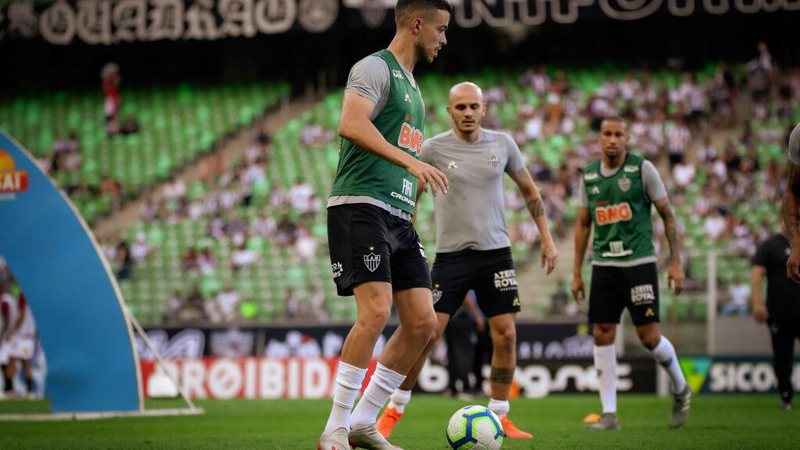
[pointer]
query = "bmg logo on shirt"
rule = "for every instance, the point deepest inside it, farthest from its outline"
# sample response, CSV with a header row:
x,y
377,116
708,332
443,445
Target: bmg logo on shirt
x,y
606,215
410,138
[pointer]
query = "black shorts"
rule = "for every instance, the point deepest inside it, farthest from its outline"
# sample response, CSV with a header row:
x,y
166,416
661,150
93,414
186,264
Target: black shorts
x,y
367,243
490,273
616,288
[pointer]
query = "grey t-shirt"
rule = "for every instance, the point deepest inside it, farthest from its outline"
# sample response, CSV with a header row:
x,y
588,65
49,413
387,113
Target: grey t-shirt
x,y
369,78
472,215
653,185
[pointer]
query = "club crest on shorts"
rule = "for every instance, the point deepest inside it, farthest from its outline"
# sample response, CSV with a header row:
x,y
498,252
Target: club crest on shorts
x,y
436,293
372,261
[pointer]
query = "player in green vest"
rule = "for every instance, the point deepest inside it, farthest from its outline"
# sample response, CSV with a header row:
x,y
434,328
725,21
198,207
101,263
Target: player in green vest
x,y
375,251
616,196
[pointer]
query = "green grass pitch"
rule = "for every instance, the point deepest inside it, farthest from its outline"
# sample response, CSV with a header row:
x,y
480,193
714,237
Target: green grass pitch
x,y
715,422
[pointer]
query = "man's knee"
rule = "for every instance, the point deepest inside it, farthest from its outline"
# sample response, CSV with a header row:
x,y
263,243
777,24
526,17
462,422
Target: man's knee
x,y
650,335
604,333
504,338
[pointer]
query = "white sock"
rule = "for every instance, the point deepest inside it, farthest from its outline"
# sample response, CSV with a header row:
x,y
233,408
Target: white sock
x,y
348,383
499,407
605,361
664,353
399,400
382,384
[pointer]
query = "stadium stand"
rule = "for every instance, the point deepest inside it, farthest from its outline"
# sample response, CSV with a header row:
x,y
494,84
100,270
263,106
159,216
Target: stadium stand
x,y
65,131
257,210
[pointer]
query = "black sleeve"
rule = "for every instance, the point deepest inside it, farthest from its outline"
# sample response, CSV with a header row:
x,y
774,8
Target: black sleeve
x,y
761,258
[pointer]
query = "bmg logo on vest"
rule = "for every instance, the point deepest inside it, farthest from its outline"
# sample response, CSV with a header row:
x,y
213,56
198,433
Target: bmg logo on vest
x,y
12,181
505,280
606,215
410,138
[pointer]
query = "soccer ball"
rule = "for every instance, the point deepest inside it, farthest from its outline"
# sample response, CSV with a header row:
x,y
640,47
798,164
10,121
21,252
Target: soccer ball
x,y
475,427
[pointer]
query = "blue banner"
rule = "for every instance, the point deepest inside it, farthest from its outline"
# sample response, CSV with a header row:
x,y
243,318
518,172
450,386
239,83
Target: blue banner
x,y
70,289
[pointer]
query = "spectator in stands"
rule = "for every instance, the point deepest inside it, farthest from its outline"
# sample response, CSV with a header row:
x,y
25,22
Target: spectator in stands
x,y
537,79
559,300
316,301
110,77
206,261
286,233
242,257
227,305
140,249
305,245
742,242
66,153
173,305
678,138
722,93
683,173
300,195
264,225
189,260
123,261
707,151
715,224
193,309
174,188
760,72
291,303
113,189
148,211
739,293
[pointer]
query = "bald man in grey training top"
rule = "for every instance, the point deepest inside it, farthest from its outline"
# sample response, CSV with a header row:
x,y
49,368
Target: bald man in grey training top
x,y
472,242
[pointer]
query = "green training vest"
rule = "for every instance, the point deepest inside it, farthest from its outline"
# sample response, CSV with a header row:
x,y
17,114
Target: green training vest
x,y
620,212
361,172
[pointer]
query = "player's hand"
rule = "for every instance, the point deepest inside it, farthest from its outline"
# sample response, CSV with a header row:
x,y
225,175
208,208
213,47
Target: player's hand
x,y
549,255
480,324
675,276
431,176
577,288
760,312
793,263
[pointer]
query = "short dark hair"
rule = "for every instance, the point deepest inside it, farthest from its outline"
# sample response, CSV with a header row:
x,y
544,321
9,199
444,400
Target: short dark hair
x,y
404,7
614,119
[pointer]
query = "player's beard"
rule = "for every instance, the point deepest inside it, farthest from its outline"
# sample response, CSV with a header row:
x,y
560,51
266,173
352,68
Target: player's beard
x,y
424,55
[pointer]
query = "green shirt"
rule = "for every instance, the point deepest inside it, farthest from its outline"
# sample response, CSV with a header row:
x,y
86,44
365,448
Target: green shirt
x,y
361,172
620,212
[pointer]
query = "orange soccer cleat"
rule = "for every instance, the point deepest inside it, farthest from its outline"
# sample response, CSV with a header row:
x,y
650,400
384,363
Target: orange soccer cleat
x,y
387,421
512,431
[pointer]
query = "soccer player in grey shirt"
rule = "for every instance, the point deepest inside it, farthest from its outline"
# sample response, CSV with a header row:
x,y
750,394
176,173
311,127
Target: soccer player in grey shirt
x,y
473,245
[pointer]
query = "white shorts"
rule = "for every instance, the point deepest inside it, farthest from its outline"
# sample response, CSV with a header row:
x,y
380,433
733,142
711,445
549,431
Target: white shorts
x,y
5,346
22,347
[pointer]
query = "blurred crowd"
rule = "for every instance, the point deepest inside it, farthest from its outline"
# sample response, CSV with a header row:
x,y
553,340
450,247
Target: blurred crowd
x,y
712,134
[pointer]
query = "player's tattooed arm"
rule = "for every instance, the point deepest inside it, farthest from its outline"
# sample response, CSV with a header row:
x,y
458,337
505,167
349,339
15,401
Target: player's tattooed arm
x,y
502,375
670,227
536,207
790,214
790,220
675,274
533,199
535,204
